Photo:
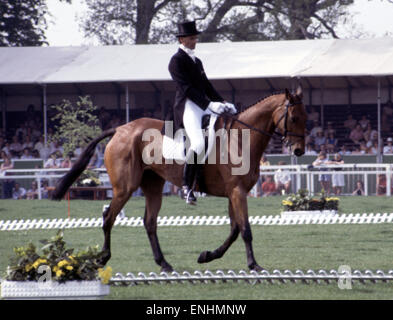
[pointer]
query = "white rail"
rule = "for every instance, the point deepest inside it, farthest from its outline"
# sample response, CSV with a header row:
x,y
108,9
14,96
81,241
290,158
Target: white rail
x,y
253,277
177,221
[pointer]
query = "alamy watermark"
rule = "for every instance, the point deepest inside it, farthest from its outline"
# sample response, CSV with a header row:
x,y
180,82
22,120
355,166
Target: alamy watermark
x,y
234,148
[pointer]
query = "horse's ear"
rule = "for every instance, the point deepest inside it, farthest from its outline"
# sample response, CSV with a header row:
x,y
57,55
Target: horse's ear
x,y
288,96
299,92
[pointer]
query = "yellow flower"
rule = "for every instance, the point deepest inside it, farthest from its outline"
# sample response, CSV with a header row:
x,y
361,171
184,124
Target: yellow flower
x,y
63,263
105,274
59,273
69,267
287,203
28,267
38,262
332,199
72,259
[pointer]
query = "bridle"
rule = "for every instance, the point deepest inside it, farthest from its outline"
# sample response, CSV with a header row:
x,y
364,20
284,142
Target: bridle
x,y
284,117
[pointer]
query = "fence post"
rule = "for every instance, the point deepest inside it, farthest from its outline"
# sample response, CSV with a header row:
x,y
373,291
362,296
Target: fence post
x,y
388,181
365,184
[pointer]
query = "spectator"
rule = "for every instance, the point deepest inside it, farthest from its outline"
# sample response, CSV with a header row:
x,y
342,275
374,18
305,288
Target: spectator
x,y
310,149
381,184
66,163
359,191
364,122
374,148
55,146
370,135
26,154
6,149
356,150
356,134
78,151
268,187
18,192
312,117
33,192
338,178
6,183
388,149
344,150
52,162
15,147
27,143
321,161
363,147
282,178
350,123
330,129
331,141
315,129
263,163
39,144
319,140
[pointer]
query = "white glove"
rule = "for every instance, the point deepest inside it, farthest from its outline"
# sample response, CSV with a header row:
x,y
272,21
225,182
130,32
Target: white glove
x,y
230,107
216,107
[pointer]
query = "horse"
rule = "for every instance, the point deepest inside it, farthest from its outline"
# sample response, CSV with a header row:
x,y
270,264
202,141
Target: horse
x,y
281,113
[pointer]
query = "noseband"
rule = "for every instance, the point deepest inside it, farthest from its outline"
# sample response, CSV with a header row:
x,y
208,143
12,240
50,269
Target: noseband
x,y
286,132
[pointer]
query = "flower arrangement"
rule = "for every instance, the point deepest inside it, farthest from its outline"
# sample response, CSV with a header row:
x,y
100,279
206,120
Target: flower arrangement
x,y
64,264
88,178
301,201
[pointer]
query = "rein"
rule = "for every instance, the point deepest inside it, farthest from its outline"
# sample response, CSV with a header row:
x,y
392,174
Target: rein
x,y
284,116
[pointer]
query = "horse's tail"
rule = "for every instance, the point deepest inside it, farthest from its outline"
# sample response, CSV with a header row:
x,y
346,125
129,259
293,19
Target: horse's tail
x,y
79,166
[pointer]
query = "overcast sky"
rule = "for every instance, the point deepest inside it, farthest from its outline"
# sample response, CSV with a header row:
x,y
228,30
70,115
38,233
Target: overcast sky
x,y
374,17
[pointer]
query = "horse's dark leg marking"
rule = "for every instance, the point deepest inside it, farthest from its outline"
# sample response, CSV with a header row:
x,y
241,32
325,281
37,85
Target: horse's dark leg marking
x,y
207,256
109,217
239,202
152,185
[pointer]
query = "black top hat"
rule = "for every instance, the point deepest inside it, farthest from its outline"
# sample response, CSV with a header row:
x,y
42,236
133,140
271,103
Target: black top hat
x,y
187,29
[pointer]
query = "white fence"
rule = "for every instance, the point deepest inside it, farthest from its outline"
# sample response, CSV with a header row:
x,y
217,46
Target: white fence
x,y
302,176
307,176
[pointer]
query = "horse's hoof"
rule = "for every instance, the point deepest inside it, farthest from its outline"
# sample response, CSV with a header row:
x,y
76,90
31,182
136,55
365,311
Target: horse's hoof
x,y
106,255
168,269
205,256
256,267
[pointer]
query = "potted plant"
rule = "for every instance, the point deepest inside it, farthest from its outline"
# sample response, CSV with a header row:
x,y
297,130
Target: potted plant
x,y
55,272
302,204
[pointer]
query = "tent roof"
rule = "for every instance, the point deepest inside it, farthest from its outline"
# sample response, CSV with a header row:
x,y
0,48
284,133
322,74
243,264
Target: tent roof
x,y
233,60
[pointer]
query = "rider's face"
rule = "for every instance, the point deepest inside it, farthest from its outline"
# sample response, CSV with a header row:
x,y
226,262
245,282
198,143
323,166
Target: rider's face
x,y
189,42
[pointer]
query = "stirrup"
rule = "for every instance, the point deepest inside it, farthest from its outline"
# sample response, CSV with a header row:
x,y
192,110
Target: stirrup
x,y
188,195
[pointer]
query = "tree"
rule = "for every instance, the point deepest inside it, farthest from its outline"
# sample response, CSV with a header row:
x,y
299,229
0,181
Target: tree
x,y
76,125
23,22
154,21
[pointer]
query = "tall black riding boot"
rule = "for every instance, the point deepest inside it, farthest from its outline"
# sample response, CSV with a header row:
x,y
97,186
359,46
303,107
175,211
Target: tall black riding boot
x,y
188,179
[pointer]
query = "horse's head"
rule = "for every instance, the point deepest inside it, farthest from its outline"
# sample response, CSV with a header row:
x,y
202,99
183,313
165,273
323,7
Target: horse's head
x,y
290,120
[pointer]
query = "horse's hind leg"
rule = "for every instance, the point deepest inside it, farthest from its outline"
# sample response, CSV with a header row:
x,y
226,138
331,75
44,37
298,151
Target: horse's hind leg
x,y
239,202
109,217
207,256
152,185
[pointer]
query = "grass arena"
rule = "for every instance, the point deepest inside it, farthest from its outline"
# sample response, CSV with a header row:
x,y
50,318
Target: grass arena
x,y
365,245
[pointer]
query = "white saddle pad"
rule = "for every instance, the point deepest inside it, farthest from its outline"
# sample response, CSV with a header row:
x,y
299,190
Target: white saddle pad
x,y
175,148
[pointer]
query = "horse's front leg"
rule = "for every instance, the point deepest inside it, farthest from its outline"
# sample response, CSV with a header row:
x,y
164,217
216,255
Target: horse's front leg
x,y
207,256
238,198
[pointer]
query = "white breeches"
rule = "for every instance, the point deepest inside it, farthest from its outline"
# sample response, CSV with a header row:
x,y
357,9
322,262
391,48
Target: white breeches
x,y
192,120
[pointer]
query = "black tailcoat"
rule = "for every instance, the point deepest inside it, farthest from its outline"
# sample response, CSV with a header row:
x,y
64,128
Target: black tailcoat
x,y
191,83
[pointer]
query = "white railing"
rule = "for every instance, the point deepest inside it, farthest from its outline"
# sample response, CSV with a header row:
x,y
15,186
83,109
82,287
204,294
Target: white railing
x,y
302,176
306,176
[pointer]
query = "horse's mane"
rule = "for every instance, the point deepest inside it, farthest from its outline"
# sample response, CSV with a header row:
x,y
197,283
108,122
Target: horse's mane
x,y
262,99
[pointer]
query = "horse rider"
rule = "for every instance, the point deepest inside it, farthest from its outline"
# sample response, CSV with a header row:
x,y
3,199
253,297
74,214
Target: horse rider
x,y
195,97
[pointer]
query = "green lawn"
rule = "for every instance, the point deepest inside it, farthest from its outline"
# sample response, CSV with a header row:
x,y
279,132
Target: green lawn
x,y
276,247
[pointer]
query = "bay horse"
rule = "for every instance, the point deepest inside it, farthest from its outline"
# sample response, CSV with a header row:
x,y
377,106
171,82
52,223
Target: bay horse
x,y
282,113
